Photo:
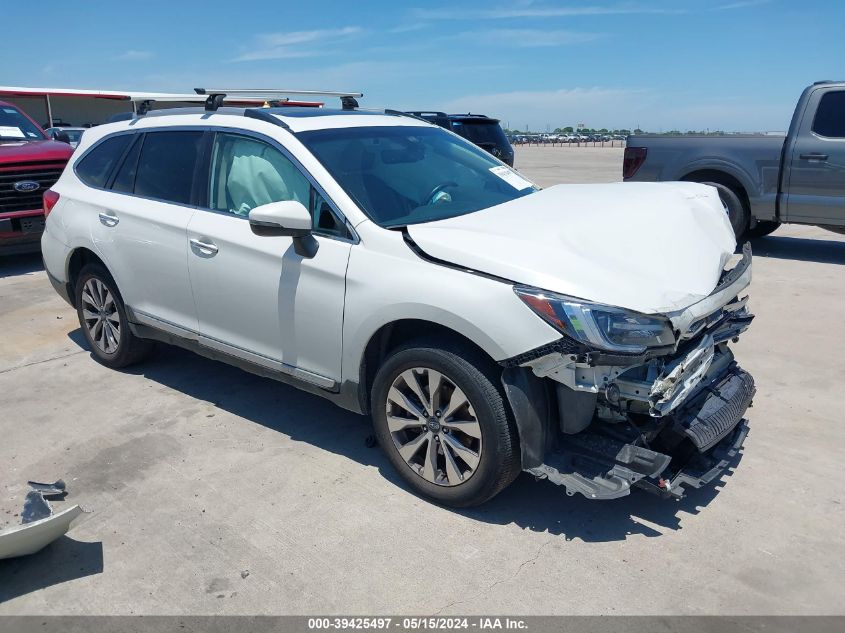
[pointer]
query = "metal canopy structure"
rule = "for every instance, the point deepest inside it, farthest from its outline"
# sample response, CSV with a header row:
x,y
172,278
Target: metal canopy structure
x,y
83,107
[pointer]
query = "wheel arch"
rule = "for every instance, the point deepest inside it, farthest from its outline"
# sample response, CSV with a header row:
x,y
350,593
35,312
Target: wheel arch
x,y
392,335
722,177
78,259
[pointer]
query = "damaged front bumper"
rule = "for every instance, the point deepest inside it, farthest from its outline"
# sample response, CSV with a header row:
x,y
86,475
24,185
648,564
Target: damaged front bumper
x,y
692,447
599,424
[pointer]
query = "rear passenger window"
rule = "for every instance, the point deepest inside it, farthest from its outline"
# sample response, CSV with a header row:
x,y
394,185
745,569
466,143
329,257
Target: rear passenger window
x,y
124,182
94,169
830,116
166,165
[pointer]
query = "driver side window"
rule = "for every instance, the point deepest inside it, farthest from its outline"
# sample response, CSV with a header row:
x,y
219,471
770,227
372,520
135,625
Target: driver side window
x,y
246,173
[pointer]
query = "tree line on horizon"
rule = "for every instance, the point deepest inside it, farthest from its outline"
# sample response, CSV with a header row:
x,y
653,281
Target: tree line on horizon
x,y
586,130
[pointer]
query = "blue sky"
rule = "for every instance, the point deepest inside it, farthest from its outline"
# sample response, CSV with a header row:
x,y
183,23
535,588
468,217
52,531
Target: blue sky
x,y
659,64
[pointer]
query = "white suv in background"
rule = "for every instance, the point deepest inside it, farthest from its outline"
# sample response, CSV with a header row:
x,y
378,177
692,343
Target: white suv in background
x,y
579,332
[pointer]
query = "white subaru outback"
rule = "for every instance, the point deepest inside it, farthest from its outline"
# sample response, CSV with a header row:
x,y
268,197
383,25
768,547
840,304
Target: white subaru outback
x,y
579,333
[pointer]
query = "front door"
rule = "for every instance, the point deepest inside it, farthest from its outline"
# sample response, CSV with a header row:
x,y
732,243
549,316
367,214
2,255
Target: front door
x,y
814,184
256,298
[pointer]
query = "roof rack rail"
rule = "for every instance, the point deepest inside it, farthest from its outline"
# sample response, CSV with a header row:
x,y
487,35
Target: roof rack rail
x,y
262,115
215,96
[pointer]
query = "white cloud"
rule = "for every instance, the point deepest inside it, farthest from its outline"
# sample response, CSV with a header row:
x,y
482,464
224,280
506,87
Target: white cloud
x,y
529,38
530,10
407,28
133,55
296,43
742,4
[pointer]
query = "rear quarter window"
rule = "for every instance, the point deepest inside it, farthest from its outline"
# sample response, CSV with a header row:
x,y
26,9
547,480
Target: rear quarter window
x,y
96,166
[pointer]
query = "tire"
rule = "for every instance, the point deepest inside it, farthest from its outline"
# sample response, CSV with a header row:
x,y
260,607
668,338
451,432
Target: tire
x,y
762,229
102,316
735,208
454,482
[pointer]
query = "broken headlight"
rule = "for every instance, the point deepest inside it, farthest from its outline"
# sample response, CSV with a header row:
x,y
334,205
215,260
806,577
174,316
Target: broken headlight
x,y
599,325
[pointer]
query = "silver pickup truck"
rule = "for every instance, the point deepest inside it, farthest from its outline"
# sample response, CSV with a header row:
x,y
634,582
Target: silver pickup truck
x,y
763,180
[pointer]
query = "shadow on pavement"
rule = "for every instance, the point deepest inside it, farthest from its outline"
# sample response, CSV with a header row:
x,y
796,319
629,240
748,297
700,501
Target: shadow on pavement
x,y
536,505
800,249
12,265
62,560
541,506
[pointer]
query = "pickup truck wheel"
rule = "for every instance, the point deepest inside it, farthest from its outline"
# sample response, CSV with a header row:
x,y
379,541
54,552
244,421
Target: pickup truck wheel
x,y
102,316
762,229
443,423
734,207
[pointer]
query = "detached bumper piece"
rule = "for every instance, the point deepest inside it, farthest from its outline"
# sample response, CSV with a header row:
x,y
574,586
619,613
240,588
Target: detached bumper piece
x,y
693,447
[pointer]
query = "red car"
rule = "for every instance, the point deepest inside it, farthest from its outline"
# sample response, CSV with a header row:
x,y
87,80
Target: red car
x,y
30,162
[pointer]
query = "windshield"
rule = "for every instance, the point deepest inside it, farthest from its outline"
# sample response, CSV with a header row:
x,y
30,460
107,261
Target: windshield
x,y
403,175
15,126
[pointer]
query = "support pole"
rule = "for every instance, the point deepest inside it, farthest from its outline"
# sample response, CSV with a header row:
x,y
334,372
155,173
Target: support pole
x,y
49,111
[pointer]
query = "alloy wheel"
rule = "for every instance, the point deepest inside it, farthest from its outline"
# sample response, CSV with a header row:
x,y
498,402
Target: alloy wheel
x,y
433,426
99,312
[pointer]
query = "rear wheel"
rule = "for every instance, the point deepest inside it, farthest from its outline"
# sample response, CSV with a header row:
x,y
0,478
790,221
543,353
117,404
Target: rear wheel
x,y
735,208
443,422
102,316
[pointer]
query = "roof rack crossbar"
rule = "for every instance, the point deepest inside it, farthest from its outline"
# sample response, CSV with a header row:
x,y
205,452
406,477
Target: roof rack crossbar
x,y
260,93
348,100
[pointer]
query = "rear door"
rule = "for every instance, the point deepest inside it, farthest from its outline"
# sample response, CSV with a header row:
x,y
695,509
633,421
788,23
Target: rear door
x,y
142,222
257,299
814,178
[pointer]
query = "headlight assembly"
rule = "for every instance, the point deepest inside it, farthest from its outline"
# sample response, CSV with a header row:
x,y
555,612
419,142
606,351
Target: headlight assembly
x,y
605,327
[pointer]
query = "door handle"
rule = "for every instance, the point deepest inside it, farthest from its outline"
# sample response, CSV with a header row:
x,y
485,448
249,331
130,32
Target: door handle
x,y
109,220
813,156
206,248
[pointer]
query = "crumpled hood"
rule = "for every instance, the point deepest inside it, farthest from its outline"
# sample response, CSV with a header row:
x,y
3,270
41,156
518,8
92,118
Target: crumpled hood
x,y
649,247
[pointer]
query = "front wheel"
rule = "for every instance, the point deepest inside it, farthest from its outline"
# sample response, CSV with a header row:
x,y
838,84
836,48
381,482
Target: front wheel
x,y
443,422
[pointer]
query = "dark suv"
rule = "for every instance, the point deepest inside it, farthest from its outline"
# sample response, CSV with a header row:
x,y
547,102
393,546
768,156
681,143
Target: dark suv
x,y
476,128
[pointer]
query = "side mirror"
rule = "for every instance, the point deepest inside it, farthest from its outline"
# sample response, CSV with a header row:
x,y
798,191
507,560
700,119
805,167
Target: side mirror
x,y
61,136
287,219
